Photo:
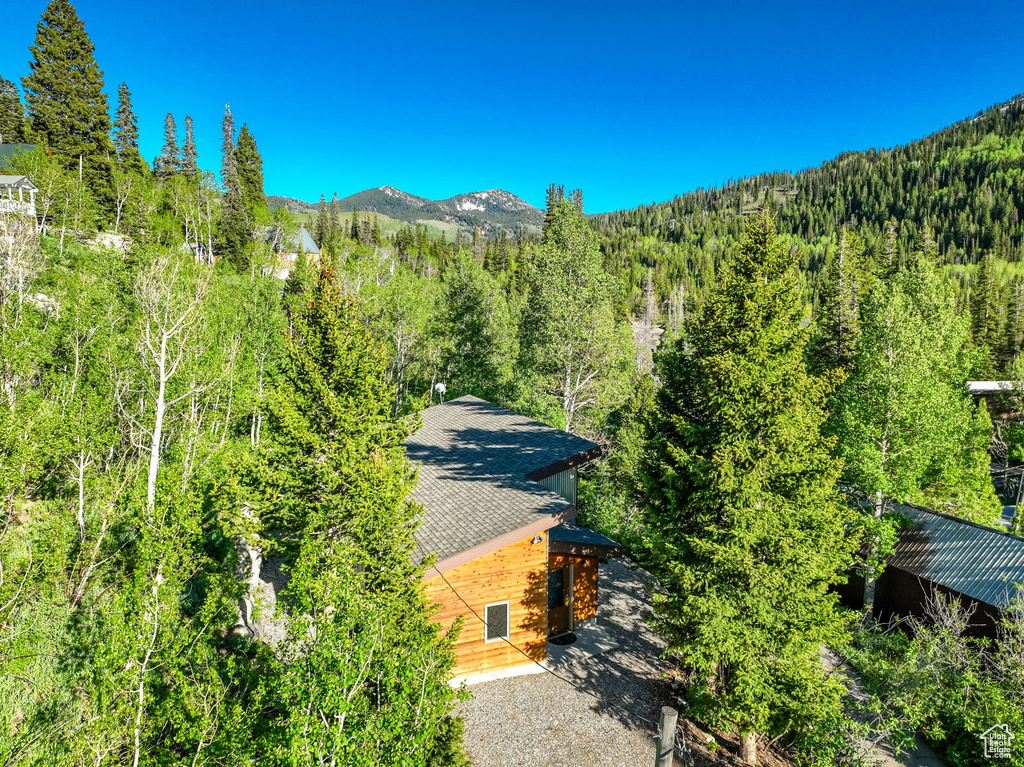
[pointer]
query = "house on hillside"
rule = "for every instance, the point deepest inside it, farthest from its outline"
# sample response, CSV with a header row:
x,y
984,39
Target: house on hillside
x,y
499,495
18,196
976,564
286,247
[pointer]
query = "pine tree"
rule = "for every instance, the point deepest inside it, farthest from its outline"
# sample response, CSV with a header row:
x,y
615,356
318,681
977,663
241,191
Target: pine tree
x,y
189,155
322,225
1013,337
169,162
227,148
12,114
244,205
249,169
333,477
333,226
743,483
984,305
126,134
67,107
354,233
554,195
838,324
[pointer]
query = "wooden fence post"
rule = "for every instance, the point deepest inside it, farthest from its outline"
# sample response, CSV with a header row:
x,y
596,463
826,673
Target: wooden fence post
x,y
667,736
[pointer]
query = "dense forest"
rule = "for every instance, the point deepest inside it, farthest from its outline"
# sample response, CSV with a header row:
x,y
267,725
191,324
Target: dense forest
x,y
180,402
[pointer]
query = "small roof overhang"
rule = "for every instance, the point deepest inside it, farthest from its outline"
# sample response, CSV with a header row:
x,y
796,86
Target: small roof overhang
x,y
578,541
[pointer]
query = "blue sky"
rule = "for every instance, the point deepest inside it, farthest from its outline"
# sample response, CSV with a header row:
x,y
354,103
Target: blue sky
x,y
631,104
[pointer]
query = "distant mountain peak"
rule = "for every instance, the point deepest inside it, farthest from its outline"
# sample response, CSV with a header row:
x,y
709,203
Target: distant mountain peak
x,y
492,210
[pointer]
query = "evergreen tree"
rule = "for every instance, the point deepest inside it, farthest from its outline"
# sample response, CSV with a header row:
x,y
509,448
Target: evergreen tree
x,y
322,226
984,305
249,169
333,226
354,233
126,134
743,485
189,155
838,325
554,195
1013,337
12,114
169,162
227,148
67,107
362,673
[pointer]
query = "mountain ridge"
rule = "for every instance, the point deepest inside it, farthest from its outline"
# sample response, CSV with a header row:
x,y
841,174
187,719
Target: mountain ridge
x,y
492,210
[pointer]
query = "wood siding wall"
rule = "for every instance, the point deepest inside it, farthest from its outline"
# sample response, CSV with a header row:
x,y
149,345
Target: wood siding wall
x,y
563,483
585,587
517,573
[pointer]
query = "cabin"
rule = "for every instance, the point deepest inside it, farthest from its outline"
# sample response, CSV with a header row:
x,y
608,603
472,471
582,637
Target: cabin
x,y
972,563
498,492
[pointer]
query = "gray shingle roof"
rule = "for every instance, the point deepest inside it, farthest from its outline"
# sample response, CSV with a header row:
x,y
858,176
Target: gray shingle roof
x,y
980,562
571,533
474,457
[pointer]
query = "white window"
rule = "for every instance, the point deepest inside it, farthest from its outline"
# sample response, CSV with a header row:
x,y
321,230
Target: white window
x,y
496,622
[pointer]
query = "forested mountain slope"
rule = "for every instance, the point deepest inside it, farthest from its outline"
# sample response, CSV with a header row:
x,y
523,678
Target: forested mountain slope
x,y
964,182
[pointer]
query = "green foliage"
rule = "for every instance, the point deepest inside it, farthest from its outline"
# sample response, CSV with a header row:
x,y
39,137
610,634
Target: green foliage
x,y
574,351
905,421
938,680
744,485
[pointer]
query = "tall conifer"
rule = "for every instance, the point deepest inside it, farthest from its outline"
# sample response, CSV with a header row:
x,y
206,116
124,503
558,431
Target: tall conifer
x,y
743,483
249,168
126,133
189,155
169,161
321,223
67,106
227,148
838,325
12,114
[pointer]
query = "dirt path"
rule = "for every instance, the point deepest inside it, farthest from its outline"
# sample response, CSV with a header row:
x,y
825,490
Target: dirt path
x,y
883,754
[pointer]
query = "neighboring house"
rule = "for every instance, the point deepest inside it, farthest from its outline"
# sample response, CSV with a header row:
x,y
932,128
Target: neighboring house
x,y
498,492
976,564
18,196
286,247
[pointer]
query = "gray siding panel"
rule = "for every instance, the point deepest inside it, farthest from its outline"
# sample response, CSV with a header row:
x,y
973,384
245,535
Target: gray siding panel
x,y
563,483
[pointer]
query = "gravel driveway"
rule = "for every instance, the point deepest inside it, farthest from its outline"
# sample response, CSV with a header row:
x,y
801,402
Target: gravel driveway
x,y
541,721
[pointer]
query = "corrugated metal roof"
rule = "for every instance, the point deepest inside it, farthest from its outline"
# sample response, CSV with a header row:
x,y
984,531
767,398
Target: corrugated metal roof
x,y
474,457
980,562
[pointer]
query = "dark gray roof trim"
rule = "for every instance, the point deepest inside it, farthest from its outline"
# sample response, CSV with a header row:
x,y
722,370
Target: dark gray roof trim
x,y
467,556
977,561
474,458
581,541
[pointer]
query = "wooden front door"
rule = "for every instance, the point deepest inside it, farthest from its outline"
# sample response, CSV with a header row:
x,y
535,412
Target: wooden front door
x,y
560,617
